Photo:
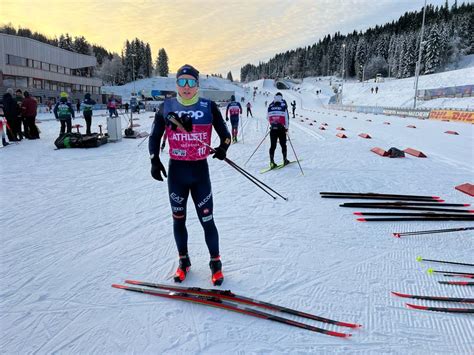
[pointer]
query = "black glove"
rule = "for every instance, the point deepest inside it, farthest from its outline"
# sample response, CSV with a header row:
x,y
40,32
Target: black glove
x,y
219,153
185,120
227,118
157,168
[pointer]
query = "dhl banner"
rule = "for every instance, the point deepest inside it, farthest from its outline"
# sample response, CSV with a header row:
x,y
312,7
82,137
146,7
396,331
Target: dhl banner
x,y
452,115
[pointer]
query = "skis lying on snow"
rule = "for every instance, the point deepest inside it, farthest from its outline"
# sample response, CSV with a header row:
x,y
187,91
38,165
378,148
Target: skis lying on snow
x,y
215,301
403,204
450,273
411,214
411,208
279,166
372,194
457,283
441,309
394,198
435,298
420,259
408,219
433,231
229,295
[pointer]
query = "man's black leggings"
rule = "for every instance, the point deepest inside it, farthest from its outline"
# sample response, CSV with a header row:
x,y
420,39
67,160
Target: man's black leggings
x,y
185,177
275,135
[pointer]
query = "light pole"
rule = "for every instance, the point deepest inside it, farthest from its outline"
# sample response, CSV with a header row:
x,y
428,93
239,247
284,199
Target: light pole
x,y
418,63
133,71
343,68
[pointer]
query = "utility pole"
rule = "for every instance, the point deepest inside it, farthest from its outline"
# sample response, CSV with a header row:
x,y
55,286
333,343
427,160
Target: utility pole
x,y
343,68
418,63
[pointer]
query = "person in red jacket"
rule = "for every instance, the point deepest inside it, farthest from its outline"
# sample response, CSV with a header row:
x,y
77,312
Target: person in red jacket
x,y
29,108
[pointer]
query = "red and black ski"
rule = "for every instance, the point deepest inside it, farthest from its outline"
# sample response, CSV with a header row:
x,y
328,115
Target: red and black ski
x,y
435,298
409,219
458,283
220,303
229,295
441,309
377,194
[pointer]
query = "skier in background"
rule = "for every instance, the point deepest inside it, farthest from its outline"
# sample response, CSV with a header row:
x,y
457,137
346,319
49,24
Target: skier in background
x,y
278,118
184,118
293,107
249,109
235,110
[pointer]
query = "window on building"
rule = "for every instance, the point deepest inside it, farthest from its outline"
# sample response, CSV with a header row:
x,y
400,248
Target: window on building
x,y
37,64
30,82
60,69
44,66
67,71
46,85
53,67
9,81
21,81
37,83
15,60
53,86
96,90
30,63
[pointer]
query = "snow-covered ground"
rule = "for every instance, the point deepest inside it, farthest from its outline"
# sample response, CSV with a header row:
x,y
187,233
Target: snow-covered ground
x,y
75,221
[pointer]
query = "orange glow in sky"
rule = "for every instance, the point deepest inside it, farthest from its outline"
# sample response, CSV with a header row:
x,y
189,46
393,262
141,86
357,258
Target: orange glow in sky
x,y
214,35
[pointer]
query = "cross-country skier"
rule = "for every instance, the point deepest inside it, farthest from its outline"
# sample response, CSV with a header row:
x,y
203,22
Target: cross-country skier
x,y
249,109
293,107
278,118
188,121
234,109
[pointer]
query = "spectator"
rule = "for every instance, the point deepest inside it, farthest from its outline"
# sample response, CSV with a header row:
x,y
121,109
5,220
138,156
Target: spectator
x,y
112,106
10,110
376,89
78,105
64,112
88,105
21,119
126,107
29,108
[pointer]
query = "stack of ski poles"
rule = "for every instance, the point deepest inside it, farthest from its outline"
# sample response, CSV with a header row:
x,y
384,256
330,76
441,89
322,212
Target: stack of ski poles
x,y
232,302
456,300
431,208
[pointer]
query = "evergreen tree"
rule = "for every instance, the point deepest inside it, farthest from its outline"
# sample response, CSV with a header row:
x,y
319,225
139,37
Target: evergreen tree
x,y
229,76
162,63
433,50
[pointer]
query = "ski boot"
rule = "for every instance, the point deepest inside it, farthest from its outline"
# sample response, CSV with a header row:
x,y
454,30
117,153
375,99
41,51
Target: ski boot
x,y
4,142
286,162
273,165
183,268
216,270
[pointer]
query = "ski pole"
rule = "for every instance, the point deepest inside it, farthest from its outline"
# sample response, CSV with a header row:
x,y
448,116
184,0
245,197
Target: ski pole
x,y
291,144
257,148
143,141
433,231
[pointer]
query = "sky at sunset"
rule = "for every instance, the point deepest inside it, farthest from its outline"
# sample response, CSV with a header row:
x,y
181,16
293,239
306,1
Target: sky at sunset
x,y
214,35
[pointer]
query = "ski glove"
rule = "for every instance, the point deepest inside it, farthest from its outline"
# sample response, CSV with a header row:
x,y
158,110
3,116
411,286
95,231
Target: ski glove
x,y
219,153
185,120
157,168
227,118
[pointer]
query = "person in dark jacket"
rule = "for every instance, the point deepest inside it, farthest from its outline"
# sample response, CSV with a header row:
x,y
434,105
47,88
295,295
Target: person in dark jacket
x,y
63,112
19,99
78,105
29,108
10,110
87,106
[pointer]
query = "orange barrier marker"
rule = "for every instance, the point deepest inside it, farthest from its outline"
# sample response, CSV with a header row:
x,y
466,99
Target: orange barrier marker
x,y
379,151
466,188
415,153
341,135
452,132
365,135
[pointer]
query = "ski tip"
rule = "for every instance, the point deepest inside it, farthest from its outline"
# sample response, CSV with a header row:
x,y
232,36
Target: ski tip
x,y
361,220
419,258
436,197
439,200
396,235
430,271
118,286
337,334
399,294
415,306
133,282
358,213
466,204
471,211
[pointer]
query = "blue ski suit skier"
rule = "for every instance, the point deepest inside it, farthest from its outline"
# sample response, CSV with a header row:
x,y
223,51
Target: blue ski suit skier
x,y
188,121
278,118
234,109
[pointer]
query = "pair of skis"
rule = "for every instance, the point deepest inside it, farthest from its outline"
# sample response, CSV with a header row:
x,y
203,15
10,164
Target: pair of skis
x,y
279,166
379,196
438,298
232,302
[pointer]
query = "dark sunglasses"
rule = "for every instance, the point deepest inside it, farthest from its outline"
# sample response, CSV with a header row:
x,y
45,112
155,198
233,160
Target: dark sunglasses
x,y
183,81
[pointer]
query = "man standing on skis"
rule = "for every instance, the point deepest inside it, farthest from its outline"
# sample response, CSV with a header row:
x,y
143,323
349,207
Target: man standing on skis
x,y
235,110
188,121
278,118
